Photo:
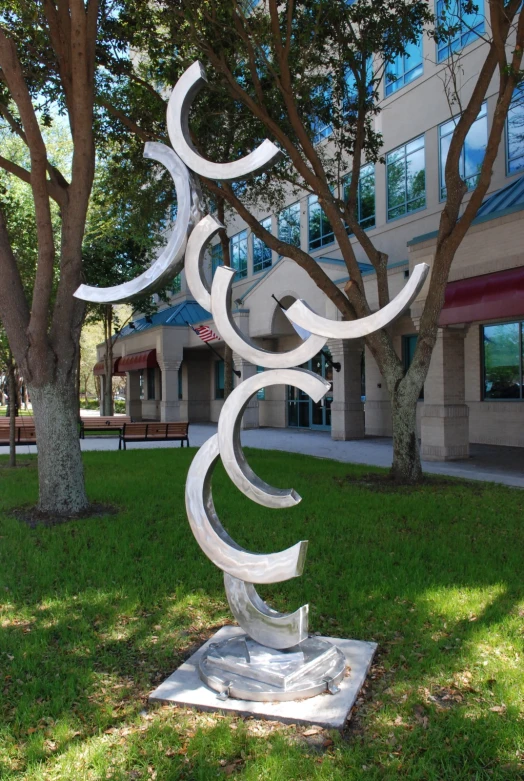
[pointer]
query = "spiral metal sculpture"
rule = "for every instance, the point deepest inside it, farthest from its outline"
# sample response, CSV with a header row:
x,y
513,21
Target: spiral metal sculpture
x,y
276,659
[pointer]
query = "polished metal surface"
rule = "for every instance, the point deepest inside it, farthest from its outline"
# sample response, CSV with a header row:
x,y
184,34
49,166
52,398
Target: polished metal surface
x,y
229,426
261,622
302,315
242,344
170,260
216,542
323,666
196,249
179,106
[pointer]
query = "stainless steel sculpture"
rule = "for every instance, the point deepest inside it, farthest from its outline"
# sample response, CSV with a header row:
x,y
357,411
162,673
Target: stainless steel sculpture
x,y
275,659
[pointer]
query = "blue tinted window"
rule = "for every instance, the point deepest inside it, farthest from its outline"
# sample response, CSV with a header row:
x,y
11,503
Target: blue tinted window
x,y
176,285
216,257
238,249
289,225
320,230
472,154
406,179
515,133
219,379
365,195
262,255
261,394
406,68
465,25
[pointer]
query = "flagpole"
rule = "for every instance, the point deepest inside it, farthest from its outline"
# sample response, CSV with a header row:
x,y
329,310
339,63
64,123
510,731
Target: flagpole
x,y
237,373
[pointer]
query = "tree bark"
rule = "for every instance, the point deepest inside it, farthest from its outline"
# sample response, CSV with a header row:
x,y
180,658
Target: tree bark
x,y
60,468
12,411
406,466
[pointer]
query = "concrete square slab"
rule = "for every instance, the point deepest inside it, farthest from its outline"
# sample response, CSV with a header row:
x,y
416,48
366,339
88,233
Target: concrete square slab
x,y
185,688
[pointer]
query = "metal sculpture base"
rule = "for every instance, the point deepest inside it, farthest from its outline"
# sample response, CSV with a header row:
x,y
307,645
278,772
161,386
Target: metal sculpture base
x,y
245,670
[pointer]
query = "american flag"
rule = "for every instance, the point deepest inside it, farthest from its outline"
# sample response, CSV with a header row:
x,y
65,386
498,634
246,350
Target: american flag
x,y
205,333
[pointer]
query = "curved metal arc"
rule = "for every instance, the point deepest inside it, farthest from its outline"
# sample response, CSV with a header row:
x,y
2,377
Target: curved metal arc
x,y
302,315
242,344
216,543
229,424
195,251
165,266
261,622
178,107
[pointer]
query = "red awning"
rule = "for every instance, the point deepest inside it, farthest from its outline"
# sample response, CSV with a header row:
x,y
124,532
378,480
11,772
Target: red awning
x,y
99,369
136,361
489,297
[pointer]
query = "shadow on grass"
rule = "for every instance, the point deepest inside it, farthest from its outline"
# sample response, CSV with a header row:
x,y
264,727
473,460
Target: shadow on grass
x,y
97,612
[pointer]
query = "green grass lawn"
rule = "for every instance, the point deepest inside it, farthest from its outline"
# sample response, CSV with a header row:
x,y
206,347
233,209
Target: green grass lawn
x,y
95,613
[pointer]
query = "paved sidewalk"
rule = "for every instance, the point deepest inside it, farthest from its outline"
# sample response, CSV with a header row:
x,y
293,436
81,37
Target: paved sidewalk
x,y
497,464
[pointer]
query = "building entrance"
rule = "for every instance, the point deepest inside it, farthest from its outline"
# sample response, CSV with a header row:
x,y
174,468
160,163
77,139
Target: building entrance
x,y
302,411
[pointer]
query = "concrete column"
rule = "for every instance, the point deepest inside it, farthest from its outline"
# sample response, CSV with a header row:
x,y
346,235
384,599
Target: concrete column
x,y
170,407
378,404
445,429
133,401
347,409
246,369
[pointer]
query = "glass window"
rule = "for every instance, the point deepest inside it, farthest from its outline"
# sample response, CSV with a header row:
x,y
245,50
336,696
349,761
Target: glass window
x,y
515,133
502,344
320,230
321,97
351,97
406,179
219,379
262,255
150,383
365,196
177,285
238,249
180,383
472,155
289,225
216,257
406,68
261,394
463,21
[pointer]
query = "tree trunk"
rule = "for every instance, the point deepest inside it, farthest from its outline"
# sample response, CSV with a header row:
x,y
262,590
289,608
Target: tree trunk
x,y
12,411
60,468
108,405
406,466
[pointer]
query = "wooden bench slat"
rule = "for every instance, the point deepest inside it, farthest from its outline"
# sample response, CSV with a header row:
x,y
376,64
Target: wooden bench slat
x,y
140,432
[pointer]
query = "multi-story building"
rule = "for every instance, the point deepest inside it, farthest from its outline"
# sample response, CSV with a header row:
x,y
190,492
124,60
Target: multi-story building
x,y
474,390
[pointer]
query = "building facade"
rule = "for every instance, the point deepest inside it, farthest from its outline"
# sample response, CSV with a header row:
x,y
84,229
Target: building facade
x,y
473,392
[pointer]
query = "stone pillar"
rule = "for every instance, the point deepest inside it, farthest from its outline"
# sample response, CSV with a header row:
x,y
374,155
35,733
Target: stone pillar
x,y
445,429
246,369
133,401
378,403
170,407
347,409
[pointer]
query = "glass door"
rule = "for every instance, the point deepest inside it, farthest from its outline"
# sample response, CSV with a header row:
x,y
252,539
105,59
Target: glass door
x,y
302,411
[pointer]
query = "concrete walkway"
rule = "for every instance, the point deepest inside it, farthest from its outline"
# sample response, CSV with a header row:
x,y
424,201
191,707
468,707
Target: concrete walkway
x,y
496,464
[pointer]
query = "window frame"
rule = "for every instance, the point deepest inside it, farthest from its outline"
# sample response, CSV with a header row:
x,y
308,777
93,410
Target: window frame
x,y
259,242
519,90
313,201
402,78
294,205
237,238
483,326
345,183
463,33
462,164
392,151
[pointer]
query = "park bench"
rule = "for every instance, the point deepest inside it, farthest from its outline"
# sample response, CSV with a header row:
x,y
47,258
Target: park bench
x,y
25,434
154,432
103,423
20,420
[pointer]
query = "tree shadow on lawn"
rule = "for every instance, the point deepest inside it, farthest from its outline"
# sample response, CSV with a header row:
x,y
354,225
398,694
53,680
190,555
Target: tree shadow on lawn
x,y
99,612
